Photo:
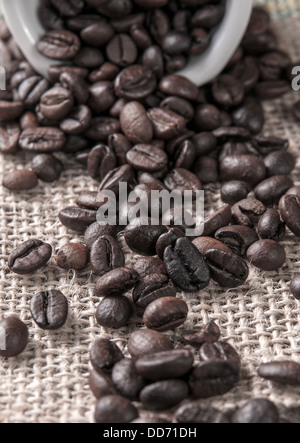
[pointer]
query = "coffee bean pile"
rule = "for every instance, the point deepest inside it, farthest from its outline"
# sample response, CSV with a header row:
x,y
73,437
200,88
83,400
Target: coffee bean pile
x,y
121,111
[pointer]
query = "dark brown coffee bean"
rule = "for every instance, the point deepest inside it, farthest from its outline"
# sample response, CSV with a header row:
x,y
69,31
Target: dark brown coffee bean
x,y
206,169
10,111
115,409
247,168
147,158
121,50
250,115
267,255
141,238
104,355
9,138
101,385
44,140
91,200
169,238
152,287
77,219
147,341
165,314
118,282
72,256
205,143
217,220
97,34
207,118
69,8
49,309
258,410
102,127
78,121
107,72
197,412
31,90
284,372
219,351
101,161
164,394
270,226
179,86
59,45
209,333
182,180
247,212
124,174
279,163
247,71
89,58
127,379
204,244
176,42
125,23
47,167
114,8
135,82
295,287
271,90
14,337
153,59
135,123
165,365
234,191
114,312
229,270
76,84
102,96
150,265
180,106
106,255
289,209
212,378
29,256
20,180
237,238
166,124
228,91
120,145
96,230
56,103
266,145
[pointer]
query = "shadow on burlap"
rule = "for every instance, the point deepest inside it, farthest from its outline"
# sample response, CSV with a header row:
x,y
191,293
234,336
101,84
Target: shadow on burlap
x,y
49,381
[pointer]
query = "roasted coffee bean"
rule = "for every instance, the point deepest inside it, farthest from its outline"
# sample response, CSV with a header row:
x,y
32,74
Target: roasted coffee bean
x,y
158,23
78,121
59,45
102,127
179,86
56,103
97,34
258,410
147,158
232,133
128,381
164,394
250,115
165,365
147,341
47,167
89,57
176,42
152,287
55,71
72,256
267,145
165,314
101,385
186,267
77,219
207,118
114,312
10,110
135,82
196,412
169,238
211,378
166,124
270,226
247,168
96,230
44,140
229,270
234,148
121,50
219,351
234,191
102,96
279,163
29,256
208,16
49,309
295,190
284,372
204,244
295,287
125,23
219,219
20,180
150,265
247,212
135,123
237,238
140,36
69,8
120,145
267,255
206,169
181,180
101,161
116,282
115,409
104,355
205,143
9,138
123,174
289,209
107,72
247,71
153,58
31,90
209,333
271,90
180,106
76,84
114,8
106,255
228,91
14,334
141,237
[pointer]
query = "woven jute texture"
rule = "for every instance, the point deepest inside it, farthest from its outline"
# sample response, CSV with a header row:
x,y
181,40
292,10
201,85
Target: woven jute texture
x,y
49,382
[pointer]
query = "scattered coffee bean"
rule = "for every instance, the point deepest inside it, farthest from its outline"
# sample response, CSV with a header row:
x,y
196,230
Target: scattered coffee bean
x,y
259,410
106,255
141,237
267,255
219,219
270,226
101,385
115,409
270,191
128,381
117,282
96,230
237,238
284,372
104,355
295,287
49,309
20,180
77,219
209,333
289,209
29,256
219,351
15,335
227,269
114,312
205,244
164,394
147,341
72,256
47,167
247,168
234,191
165,314
247,212
152,287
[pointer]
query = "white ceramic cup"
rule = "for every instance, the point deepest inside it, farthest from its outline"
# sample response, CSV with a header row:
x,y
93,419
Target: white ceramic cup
x,y
22,20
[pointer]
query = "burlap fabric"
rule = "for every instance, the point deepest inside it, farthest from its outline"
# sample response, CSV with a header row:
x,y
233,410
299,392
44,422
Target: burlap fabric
x,y
49,382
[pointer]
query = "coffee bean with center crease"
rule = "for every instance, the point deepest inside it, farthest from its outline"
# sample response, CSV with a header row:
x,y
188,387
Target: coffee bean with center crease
x,y
10,111
135,123
147,341
135,82
250,115
96,230
166,124
204,244
49,309
210,333
289,208
122,50
164,394
47,167
165,314
258,410
180,106
196,412
115,409
247,168
31,90
77,219
120,145
141,236
186,267
123,174
234,191
117,281
267,255
211,378
169,238
128,381
59,45
165,365
283,372
228,91
14,336
217,220
247,212
56,103
44,140
152,287
179,86
229,270
114,311
181,180
20,180
78,121
106,255
9,137
101,161
270,226
29,256
279,163
219,351
104,355
101,128
147,158
267,145
72,256
237,238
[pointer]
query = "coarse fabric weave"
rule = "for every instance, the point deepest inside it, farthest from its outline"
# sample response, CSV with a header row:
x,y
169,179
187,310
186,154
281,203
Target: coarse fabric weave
x,y
48,383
